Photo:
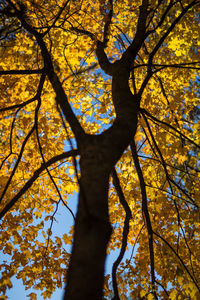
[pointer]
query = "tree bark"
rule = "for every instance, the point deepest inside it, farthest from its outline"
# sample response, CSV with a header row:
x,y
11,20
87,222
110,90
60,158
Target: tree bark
x,y
85,276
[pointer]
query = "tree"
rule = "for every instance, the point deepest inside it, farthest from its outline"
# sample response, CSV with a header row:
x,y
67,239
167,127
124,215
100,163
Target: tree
x,y
101,97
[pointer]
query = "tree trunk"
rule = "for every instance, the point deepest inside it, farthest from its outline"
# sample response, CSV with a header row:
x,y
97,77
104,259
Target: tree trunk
x,y
85,276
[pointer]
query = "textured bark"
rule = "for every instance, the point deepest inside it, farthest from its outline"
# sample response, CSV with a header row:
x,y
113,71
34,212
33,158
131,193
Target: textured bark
x,y
92,229
85,277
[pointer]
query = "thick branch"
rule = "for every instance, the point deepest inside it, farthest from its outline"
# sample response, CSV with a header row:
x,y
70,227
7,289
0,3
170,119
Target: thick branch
x,y
103,60
101,55
104,63
108,23
140,34
21,72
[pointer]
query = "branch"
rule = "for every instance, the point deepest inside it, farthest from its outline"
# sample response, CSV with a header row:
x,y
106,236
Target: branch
x,y
170,5
173,195
43,159
180,259
10,139
162,66
148,140
18,105
140,34
83,32
169,30
170,126
162,286
146,214
134,245
159,44
42,79
167,164
169,179
21,72
81,71
36,174
56,18
126,207
61,97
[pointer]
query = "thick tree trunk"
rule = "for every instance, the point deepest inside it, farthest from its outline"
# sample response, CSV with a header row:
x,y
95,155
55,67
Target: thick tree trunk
x,y
85,277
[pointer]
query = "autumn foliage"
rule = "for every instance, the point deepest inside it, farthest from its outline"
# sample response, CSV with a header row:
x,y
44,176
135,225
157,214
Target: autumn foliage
x,y
61,93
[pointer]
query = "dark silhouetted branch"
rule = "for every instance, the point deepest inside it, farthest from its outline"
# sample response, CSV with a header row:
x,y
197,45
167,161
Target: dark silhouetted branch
x,y
170,126
36,174
42,79
128,216
48,172
146,214
61,96
180,259
21,72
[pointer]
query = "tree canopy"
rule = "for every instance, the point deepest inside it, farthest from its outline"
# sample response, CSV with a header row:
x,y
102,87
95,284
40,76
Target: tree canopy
x,y
101,98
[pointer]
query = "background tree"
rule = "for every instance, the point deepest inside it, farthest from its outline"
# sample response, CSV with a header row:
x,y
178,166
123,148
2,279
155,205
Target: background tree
x,y
101,97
